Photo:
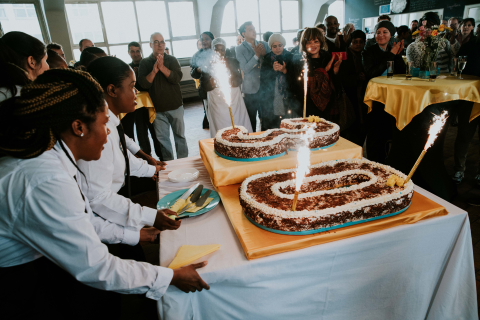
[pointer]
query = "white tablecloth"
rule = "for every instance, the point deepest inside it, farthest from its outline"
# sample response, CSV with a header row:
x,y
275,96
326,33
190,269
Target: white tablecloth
x,y
419,271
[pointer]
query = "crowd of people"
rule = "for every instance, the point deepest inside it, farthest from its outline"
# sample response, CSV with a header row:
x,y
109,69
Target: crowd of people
x,y
69,165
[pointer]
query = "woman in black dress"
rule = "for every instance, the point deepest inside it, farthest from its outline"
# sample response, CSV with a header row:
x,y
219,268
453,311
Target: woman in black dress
x,y
380,124
322,79
274,83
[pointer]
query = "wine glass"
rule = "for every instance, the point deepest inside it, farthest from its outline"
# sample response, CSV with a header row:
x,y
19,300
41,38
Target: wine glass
x,y
462,61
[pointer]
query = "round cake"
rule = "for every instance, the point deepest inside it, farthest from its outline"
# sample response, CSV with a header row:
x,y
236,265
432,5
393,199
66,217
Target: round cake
x,y
237,143
332,194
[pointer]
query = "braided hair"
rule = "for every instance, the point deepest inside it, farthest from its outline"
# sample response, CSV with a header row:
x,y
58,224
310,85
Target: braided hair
x,y
32,123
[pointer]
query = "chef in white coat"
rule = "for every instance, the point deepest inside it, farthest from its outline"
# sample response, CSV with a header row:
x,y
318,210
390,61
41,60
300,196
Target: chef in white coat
x,y
52,261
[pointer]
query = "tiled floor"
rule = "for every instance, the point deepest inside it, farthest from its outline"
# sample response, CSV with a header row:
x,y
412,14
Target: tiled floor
x,y
467,189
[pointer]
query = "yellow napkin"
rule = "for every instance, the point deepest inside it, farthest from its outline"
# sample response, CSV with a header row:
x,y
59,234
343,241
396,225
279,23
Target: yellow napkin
x,y
187,254
180,204
195,209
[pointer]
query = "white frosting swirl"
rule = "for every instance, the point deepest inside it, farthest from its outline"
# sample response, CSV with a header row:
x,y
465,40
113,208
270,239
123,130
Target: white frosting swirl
x,y
288,133
397,192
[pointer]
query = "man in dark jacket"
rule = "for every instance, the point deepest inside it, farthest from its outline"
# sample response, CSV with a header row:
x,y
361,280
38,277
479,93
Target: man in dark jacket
x,y
354,82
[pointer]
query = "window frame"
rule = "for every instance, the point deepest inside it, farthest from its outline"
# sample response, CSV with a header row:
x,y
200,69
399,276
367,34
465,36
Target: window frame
x,y
260,34
105,42
40,16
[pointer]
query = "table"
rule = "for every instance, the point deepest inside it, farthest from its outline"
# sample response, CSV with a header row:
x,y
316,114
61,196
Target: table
x,y
404,99
419,271
412,104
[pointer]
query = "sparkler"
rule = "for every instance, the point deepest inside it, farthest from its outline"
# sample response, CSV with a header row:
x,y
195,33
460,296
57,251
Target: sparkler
x,y
305,85
222,78
435,128
303,160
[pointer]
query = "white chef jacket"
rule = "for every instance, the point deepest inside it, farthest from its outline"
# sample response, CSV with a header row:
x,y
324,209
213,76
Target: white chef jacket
x,y
42,213
106,176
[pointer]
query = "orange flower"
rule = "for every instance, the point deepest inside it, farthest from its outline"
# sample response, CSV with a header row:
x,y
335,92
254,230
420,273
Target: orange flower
x,y
441,28
434,33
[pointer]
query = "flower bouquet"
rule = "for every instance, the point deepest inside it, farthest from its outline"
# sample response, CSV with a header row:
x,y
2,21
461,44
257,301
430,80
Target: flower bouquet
x,y
429,42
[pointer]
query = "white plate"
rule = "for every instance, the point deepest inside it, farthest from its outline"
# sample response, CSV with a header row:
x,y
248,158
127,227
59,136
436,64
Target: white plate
x,y
183,175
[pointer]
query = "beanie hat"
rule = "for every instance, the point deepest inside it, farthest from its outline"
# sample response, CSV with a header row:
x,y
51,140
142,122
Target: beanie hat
x,y
388,25
218,41
276,37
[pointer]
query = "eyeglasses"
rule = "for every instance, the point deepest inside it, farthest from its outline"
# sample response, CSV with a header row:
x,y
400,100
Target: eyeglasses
x,y
158,43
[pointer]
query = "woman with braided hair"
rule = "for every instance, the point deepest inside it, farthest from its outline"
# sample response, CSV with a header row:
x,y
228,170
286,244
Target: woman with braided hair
x,y
52,261
22,59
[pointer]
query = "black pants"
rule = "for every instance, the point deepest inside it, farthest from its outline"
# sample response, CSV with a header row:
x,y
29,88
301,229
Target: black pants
x,y
42,290
253,102
465,133
141,119
380,129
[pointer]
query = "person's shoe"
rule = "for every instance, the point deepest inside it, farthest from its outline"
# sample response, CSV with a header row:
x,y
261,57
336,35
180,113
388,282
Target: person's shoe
x,y
458,176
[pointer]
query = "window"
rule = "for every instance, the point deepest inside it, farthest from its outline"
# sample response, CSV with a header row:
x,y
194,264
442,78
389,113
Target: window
x,y
20,17
78,15
3,13
277,16
114,24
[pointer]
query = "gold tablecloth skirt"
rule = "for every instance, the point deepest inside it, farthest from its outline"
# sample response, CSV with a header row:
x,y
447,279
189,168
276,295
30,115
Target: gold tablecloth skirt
x,y
225,172
258,243
144,101
404,99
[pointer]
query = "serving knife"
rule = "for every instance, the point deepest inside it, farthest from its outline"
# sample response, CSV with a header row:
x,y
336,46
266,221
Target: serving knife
x,y
189,191
198,203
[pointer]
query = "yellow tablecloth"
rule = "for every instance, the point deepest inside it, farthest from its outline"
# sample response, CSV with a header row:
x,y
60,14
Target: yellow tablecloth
x,y
144,100
258,243
404,99
225,172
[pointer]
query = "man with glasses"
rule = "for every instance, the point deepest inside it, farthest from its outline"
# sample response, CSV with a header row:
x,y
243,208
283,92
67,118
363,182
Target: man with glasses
x,y
161,74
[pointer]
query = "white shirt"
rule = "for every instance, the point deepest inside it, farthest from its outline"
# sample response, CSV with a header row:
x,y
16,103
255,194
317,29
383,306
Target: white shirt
x,y
331,39
42,213
106,176
5,94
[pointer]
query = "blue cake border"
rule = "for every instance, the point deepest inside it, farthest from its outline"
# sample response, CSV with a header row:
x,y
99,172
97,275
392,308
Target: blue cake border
x,y
307,232
267,158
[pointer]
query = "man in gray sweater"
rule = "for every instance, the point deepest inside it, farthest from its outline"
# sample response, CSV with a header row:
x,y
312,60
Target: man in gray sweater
x,y
250,55
161,74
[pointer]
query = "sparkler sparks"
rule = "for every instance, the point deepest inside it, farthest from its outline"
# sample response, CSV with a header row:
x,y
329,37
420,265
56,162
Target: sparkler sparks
x,y
435,128
433,131
303,161
221,75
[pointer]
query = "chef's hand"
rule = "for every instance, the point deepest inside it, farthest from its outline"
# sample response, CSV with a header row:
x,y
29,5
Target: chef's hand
x,y
187,278
163,222
149,234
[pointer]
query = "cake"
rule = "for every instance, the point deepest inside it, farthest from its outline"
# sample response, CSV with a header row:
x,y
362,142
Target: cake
x,y
237,143
333,194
